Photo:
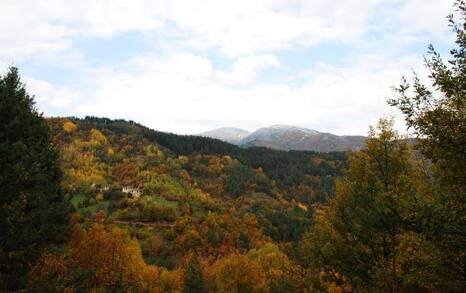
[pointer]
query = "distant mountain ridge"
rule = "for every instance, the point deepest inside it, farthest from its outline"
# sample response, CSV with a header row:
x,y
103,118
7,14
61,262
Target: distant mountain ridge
x,y
229,134
284,137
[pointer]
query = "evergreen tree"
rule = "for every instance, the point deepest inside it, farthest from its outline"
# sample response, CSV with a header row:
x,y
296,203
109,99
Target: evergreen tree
x,y
193,281
32,207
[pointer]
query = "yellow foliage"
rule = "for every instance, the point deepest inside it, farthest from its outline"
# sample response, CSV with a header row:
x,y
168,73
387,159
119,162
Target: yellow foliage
x,y
69,127
169,281
274,262
98,136
153,152
238,273
302,206
183,159
99,197
227,160
80,166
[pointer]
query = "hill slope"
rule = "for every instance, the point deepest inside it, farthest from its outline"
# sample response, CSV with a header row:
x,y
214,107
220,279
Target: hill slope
x,y
171,196
191,175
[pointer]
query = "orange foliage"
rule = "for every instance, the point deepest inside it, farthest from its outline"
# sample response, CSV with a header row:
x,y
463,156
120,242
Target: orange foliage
x,y
237,273
50,272
316,161
112,256
110,259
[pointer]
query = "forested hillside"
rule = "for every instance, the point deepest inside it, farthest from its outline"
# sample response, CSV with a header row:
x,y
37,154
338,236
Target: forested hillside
x,y
181,197
306,177
99,205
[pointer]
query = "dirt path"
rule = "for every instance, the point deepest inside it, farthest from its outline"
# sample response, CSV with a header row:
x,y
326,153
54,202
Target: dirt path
x,y
147,224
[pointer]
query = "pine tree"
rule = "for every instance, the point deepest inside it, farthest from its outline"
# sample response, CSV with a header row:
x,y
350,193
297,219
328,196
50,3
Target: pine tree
x,y
193,281
32,207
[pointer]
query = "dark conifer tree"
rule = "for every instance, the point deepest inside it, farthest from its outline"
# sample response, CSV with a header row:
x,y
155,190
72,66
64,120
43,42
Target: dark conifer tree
x,y
193,281
33,211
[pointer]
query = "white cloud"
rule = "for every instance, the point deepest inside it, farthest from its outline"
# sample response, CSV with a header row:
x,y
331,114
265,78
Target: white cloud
x,y
33,28
234,28
49,96
242,27
421,16
181,88
245,69
172,95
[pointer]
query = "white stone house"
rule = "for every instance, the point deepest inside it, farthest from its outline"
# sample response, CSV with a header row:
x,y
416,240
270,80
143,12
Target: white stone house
x,y
135,192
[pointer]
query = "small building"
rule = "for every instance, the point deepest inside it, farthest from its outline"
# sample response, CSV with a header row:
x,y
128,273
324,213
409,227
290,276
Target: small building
x,y
135,192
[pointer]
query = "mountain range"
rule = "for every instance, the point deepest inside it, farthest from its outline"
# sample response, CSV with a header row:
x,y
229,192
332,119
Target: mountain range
x,y
283,137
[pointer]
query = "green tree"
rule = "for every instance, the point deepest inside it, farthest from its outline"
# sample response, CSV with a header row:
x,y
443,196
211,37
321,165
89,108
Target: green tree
x,y
357,239
33,211
437,115
193,280
239,177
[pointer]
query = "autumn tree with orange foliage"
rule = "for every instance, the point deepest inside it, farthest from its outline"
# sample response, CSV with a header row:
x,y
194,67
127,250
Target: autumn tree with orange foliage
x,y
101,259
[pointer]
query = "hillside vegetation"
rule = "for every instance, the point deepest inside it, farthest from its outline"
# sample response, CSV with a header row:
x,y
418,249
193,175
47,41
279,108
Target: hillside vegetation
x,y
183,196
101,205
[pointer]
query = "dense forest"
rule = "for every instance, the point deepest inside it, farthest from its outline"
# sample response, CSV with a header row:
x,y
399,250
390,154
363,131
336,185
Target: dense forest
x,y
100,205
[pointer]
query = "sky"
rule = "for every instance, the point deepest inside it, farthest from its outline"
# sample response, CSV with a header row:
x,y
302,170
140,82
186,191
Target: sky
x,y
194,65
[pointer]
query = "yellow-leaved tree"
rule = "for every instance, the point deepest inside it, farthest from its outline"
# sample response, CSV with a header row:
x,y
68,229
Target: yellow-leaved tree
x,y
69,127
238,274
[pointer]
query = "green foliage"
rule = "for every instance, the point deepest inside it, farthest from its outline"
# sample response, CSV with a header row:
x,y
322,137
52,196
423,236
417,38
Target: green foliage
x,y
243,241
397,222
78,200
166,186
438,118
239,179
360,234
283,224
212,237
288,169
225,215
32,207
154,213
193,279
163,202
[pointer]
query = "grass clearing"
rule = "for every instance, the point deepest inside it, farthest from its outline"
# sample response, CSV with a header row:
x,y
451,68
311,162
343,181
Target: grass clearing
x,y
103,205
163,202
